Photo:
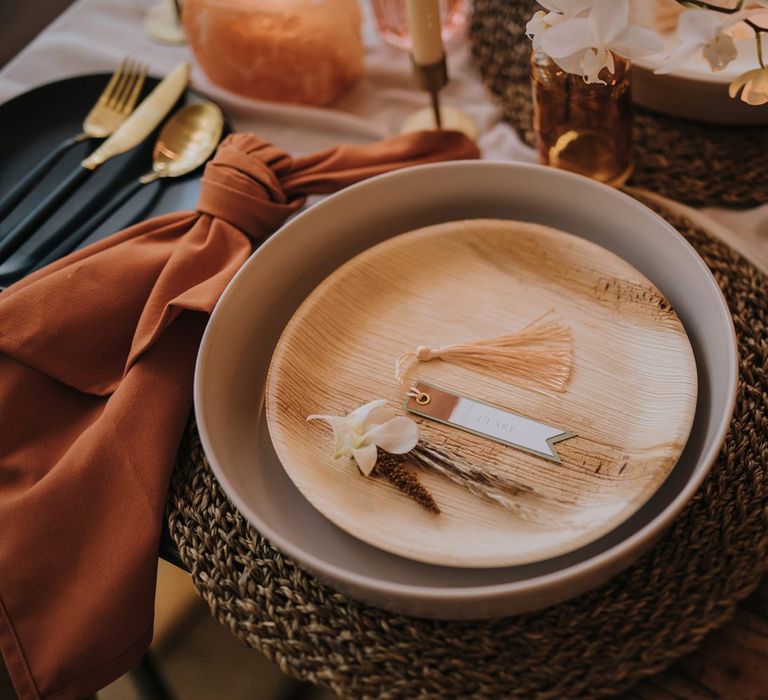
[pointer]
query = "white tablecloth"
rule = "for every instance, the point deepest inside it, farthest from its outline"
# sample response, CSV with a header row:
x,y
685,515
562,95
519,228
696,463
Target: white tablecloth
x,y
94,35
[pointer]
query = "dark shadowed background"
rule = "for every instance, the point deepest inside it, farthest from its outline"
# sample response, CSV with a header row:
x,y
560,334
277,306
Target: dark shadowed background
x,y
21,20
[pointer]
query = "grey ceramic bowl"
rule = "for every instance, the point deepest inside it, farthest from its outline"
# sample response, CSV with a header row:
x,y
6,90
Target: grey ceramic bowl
x,y
238,344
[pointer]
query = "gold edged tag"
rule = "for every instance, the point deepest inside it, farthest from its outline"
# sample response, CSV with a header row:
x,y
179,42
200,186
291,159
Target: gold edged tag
x,y
486,420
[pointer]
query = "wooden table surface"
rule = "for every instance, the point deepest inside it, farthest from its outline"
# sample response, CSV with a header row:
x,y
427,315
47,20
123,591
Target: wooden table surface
x,y
731,663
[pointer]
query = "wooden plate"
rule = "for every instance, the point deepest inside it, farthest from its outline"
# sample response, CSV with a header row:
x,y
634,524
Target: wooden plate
x,y
631,398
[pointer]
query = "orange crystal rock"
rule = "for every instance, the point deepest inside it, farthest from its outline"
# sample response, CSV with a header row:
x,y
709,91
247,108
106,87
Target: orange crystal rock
x,y
304,51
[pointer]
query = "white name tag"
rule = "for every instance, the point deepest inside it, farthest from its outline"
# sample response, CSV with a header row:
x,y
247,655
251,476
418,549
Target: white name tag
x,y
487,421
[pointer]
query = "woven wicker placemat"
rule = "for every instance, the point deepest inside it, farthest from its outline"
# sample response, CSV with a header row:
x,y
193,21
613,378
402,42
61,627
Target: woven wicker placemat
x,y
595,645
691,162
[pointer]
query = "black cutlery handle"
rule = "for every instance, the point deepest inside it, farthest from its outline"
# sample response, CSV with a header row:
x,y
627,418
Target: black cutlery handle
x,y
14,269
30,223
11,199
62,242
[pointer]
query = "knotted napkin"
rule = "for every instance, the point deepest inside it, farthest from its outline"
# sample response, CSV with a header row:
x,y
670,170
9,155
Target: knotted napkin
x,y
96,362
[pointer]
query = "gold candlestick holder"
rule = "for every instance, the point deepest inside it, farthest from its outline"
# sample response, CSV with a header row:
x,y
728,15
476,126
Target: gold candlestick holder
x,y
432,77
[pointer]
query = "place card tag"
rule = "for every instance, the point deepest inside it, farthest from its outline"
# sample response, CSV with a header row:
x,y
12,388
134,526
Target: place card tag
x,y
487,421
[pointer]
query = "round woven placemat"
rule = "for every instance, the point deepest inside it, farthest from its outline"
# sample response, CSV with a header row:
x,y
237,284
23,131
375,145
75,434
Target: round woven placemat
x,y
691,162
595,645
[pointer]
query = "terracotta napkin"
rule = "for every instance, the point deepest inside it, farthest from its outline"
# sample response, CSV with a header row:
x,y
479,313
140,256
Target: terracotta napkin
x,y
96,361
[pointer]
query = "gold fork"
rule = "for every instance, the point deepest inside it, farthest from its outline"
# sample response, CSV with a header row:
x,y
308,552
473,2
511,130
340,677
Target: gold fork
x,y
113,107
116,101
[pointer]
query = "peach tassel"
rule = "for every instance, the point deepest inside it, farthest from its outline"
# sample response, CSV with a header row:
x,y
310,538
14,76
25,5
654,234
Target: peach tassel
x,y
541,352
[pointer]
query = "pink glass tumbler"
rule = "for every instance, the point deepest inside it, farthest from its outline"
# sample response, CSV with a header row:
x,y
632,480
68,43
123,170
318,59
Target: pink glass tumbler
x,y
392,20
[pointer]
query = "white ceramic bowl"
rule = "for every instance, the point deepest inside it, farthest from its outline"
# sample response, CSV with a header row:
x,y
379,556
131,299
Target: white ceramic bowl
x,y
695,93
249,318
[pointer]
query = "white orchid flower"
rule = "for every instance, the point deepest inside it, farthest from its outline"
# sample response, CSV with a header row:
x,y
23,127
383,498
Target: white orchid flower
x,y
538,24
556,11
373,425
755,87
585,44
569,8
706,32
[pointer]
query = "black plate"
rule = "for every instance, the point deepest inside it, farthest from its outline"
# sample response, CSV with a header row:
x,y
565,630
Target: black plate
x,y
33,123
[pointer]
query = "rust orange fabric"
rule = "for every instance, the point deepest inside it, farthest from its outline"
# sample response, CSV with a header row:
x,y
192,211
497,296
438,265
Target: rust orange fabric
x,y
96,363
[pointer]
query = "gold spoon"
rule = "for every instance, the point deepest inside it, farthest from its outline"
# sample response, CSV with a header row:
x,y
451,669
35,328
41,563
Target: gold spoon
x,y
186,141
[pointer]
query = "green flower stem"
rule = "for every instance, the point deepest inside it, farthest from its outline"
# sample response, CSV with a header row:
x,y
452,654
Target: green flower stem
x,y
714,8
759,31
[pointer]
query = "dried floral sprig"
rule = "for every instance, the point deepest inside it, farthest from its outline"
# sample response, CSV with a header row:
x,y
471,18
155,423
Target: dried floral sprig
x,y
393,440
391,468
499,489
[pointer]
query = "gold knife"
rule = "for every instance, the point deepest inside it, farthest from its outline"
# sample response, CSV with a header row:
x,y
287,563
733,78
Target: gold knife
x,y
131,132
144,118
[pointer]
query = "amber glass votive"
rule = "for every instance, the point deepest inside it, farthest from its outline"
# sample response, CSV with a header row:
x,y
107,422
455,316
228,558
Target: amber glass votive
x,y
583,127
303,51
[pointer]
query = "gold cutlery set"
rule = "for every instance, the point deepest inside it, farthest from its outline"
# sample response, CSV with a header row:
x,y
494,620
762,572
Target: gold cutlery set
x,y
115,103
186,141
